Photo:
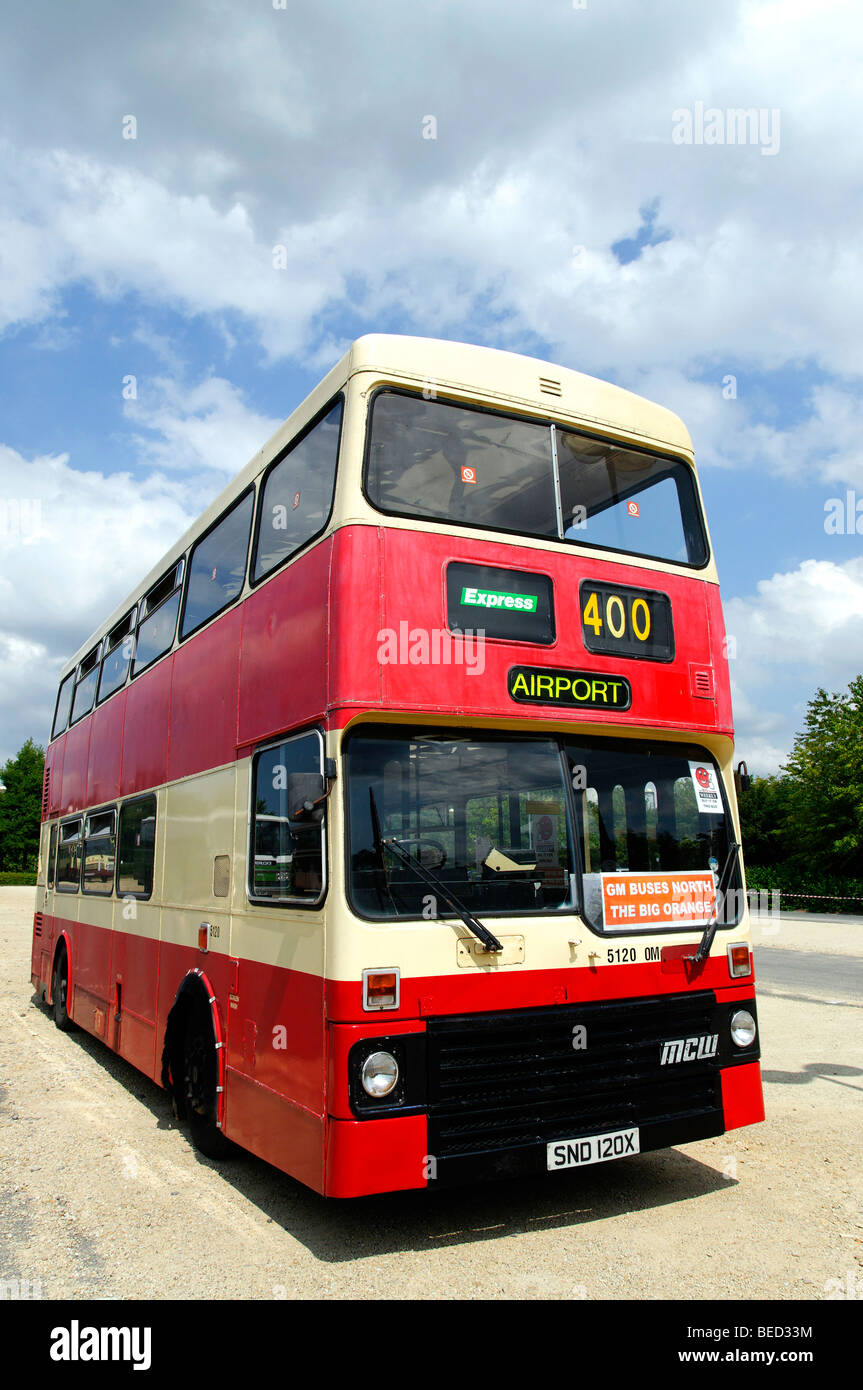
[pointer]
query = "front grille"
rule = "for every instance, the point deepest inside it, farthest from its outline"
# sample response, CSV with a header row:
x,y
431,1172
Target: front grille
x,y
501,1081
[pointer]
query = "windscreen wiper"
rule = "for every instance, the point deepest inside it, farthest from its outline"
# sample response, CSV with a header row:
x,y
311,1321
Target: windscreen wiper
x,y
395,847
379,846
721,888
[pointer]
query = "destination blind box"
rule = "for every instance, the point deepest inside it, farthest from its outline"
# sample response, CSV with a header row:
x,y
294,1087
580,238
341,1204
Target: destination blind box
x,y
512,605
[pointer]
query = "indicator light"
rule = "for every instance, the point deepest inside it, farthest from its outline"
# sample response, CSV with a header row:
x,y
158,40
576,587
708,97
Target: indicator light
x,y
381,988
739,959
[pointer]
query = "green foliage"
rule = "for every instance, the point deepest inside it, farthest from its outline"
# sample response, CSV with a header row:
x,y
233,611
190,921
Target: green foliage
x,y
825,770
809,891
804,828
22,880
20,809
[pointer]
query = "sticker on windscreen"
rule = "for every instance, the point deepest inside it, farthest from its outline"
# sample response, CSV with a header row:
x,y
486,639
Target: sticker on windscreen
x,y
706,785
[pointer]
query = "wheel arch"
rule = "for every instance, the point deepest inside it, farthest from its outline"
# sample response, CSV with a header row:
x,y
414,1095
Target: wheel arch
x,y
63,943
194,990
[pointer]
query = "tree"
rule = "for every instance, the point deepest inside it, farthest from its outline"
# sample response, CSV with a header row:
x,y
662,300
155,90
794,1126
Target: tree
x,y
767,820
21,807
825,776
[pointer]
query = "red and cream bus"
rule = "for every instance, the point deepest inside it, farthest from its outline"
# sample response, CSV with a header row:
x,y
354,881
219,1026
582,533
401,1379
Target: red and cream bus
x,y
390,822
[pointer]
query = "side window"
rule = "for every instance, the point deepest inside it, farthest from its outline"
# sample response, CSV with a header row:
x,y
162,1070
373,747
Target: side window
x,y
136,848
286,856
118,654
99,836
85,688
52,853
64,705
217,567
157,620
69,856
297,494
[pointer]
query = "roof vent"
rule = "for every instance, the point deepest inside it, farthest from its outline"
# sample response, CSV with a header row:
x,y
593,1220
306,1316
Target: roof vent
x,y
549,386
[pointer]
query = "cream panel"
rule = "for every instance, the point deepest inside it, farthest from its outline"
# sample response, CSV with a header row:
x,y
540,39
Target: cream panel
x,y
137,917
282,936
198,824
96,910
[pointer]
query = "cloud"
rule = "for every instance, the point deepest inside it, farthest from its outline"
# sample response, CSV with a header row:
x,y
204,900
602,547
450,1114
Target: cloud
x,y
801,630
196,429
74,544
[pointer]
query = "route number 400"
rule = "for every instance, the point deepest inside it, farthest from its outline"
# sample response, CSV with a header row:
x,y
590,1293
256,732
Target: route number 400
x,y
615,616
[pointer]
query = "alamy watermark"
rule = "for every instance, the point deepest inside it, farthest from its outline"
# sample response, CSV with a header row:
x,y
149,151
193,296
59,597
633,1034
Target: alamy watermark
x,y
420,646
844,515
736,125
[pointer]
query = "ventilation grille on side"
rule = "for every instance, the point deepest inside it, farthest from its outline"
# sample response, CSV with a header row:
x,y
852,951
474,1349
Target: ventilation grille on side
x,y
37,924
46,783
549,386
701,681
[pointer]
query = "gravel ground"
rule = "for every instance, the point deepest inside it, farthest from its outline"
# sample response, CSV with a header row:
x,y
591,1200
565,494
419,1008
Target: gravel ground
x,y
102,1196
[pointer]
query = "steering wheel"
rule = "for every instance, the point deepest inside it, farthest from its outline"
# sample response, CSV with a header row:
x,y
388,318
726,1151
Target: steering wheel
x,y
424,840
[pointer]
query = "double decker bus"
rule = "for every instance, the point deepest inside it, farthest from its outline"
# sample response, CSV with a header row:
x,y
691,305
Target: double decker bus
x,y
390,822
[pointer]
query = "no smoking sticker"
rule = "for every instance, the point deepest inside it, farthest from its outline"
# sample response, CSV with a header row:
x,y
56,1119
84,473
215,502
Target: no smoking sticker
x,y
468,475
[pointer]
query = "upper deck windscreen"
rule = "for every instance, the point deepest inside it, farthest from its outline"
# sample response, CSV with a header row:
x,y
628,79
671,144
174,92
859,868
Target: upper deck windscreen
x,y
473,467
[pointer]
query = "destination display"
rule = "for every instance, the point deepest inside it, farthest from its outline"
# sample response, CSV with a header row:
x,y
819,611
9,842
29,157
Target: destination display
x,y
510,604
547,685
619,621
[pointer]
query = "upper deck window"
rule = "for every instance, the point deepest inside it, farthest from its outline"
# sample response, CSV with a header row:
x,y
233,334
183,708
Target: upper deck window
x,y
157,619
473,467
85,688
64,705
118,654
452,463
624,499
217,567
297,494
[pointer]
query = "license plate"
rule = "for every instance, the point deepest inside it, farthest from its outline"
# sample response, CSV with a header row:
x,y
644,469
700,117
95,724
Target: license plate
x,y
592,1148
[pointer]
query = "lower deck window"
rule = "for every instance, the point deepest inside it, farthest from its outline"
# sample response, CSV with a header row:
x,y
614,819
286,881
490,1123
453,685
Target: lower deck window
x,y
286,855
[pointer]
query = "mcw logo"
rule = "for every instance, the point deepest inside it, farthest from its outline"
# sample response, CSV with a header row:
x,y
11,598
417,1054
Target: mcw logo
x,y
689,1049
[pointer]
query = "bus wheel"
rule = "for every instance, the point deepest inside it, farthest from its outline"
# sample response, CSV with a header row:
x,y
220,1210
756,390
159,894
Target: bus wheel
x,y
199,1086
59,991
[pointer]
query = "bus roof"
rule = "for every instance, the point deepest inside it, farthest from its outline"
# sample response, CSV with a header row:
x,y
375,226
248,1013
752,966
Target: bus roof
x,y
459,369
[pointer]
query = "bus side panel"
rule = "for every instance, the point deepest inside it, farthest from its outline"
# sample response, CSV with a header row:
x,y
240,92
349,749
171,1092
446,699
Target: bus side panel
x,y
145,732
54,773
274,1094
106,751
204,698
275,1129
135,969
716,619
277,1033
355,616
283,665
75,758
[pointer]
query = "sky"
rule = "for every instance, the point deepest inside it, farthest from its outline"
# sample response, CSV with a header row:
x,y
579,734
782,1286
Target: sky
x,y
551,177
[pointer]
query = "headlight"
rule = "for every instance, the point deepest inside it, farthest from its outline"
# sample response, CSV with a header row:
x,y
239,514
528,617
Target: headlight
x,y
743,1028
380,1073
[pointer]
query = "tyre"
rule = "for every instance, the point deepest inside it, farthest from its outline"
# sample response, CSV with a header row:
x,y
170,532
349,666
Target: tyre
x,y
59,992
199,1085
